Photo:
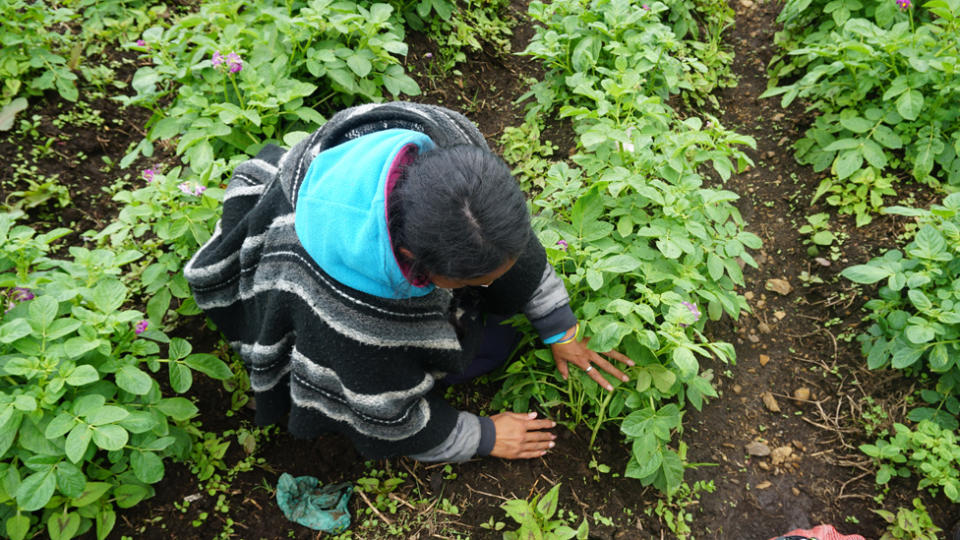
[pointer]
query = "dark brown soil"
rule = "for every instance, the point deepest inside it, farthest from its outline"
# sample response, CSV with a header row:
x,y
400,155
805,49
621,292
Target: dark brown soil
x,y
789,341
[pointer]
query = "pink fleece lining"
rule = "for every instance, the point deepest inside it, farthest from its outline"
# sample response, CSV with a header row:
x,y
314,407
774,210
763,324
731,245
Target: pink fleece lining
x,y
404,157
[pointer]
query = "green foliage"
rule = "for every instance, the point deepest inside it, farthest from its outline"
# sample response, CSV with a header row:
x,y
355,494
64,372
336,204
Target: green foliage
x,y
294,57
673,511
916,319
539,519
930,450
84,425
883,82
42,43
630,226
909,524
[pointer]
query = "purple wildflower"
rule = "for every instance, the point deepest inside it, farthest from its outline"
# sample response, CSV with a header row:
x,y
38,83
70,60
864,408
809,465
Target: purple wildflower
x,y
428,55
693,309
187,189
198,191
904,4
234,62
148,175
21,294
217,59
562,244
142,43
645,7
141,327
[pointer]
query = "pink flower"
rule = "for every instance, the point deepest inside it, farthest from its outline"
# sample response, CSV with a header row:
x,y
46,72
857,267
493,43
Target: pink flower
x,y
428,55
17,295
217,59
645,7
187,189
904,4
141,327
234,62
693,309
148,175
142,43
562,244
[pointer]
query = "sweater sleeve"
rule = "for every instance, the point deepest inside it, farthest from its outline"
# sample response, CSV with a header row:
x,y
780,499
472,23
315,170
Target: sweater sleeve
x,y
532,287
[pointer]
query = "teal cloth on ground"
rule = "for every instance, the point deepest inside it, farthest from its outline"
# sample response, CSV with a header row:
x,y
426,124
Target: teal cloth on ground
x,y
303,501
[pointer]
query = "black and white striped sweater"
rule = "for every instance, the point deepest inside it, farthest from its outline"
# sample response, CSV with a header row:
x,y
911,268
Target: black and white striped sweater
x,y
335,358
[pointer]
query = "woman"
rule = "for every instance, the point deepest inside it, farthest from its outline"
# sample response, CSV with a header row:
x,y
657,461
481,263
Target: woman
x,y
355,272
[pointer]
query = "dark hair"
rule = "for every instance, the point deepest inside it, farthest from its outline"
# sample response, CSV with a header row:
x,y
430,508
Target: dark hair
x,y
459,211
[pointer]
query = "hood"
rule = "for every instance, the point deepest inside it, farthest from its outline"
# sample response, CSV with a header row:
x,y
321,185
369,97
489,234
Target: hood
x,y
341,217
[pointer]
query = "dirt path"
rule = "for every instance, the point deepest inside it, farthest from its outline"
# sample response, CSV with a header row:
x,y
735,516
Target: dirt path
x,y
796,338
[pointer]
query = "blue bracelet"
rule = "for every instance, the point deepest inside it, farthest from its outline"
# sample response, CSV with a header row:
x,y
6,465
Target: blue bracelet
x,y
554,339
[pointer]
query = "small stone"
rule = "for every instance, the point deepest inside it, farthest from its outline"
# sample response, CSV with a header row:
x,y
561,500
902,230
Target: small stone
x,y
821,261
763,485
795,491
737,389
798,445
770,402
746,3
764,328
779,315
781,286
780,454
764,465
801,394
764,359
753,338
748,295
757,448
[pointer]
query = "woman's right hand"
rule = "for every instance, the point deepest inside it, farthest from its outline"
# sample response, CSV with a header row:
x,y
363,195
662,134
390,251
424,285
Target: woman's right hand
x,y
519,435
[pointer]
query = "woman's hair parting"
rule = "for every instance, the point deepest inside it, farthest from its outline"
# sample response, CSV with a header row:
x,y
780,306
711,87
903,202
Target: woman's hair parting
x,y
460,212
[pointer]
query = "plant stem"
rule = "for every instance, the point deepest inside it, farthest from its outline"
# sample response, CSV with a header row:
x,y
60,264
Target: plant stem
x,y
600,414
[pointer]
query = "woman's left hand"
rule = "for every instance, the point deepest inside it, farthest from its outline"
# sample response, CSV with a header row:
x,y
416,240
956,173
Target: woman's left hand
x,y
577,353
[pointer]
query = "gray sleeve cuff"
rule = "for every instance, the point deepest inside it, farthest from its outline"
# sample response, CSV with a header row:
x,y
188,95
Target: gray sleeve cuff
x,y
549,295
460,445
488,436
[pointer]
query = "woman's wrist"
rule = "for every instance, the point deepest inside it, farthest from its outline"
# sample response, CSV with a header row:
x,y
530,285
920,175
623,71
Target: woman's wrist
x,y
569,336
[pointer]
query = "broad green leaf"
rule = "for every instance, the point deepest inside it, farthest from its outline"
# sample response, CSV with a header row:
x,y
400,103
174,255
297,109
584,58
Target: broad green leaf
x,y
179,348
905,356
14,330
618,264
209,365
909,104
178,408
107,415
714,266
92,492
106,518
874,154
547,505
847,163
83,374
139,422
181,378
685,360
77,442
643,380
865,273
35,490
594,279
128,495
133,380
62,526
110,437
42,311
147,466
919,300
663,378
60,425
856,124
70,479
919,334
108,295
940,361
887,137
18,526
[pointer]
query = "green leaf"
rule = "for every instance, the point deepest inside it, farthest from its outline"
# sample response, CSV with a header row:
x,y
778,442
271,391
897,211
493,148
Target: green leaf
x,y
36,490
83,374
133,380
178,408
594,279
9,112
179,348
181,378
106,519
714,266
360,65
77,442
209,365
18,526
128,495
147,466
618,264
909,104
856,124
43,310
940,361
70,479
663,378
919,300
62,526
685,361
905,356
919,334
107,415
60,425
865,273
874,154
14,330
847,163
887,137
547,505
108,295
110,437
92,492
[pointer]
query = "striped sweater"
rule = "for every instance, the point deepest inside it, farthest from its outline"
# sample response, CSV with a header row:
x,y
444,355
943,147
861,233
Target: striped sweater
x,y
336,358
